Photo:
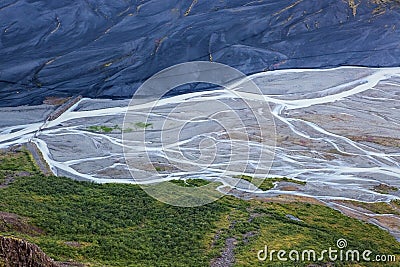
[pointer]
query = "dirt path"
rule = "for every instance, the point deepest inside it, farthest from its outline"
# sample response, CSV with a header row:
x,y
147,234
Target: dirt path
x,y
227,257
37,156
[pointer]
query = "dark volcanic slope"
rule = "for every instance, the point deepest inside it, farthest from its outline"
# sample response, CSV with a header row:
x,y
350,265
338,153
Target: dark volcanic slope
x,y
102,48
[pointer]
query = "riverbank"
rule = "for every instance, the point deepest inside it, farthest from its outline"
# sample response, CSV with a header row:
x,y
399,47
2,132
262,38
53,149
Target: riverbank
x,y
336,131
310,140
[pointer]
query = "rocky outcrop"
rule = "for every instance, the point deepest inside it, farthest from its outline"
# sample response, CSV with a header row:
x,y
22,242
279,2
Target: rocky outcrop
x,y
10,222
20,253
64,107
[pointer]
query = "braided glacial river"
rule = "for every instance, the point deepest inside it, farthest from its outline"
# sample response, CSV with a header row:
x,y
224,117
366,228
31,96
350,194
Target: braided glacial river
x,y
335,129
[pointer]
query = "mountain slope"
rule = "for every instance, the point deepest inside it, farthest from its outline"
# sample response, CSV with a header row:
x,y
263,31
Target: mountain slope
x,y
107,48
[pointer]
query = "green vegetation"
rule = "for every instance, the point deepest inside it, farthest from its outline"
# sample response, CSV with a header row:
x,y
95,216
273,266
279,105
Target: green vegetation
x,y
159,169
112,225
143,125
136,126
117,128
17,161
319,228
268,183
127,130
103,129
379,207
16,164
385,189
190,182
120,225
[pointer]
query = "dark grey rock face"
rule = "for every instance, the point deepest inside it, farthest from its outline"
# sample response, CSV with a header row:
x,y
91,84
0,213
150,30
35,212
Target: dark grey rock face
x,y
107,48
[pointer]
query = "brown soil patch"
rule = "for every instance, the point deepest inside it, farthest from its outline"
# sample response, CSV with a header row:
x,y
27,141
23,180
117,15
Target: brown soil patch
x,y
56,101
10,222
291,199
73,244
380,140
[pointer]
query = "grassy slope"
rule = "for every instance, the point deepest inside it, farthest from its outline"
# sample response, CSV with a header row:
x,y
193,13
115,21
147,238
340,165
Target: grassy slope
x,y
11,164
268,183
119,225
